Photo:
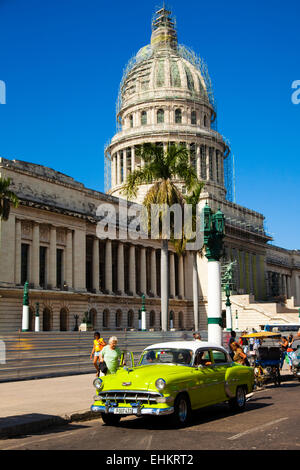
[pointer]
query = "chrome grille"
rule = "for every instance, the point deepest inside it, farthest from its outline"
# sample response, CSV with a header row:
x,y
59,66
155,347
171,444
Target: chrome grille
x,y
130,396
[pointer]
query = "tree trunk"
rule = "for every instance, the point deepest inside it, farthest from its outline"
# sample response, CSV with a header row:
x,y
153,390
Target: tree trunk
x,y
195,291
164,285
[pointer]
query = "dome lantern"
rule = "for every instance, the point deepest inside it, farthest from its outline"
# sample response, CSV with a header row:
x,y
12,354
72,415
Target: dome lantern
x,y
164,35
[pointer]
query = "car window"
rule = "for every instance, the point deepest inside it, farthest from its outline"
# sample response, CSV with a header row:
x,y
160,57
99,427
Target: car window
x,y
219,356
166,356
202,358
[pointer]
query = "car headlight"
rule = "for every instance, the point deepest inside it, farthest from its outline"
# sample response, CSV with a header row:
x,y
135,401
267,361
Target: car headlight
x,y
160,384
98,384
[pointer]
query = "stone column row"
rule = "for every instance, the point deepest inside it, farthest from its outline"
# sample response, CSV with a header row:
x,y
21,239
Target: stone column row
x,y
132,270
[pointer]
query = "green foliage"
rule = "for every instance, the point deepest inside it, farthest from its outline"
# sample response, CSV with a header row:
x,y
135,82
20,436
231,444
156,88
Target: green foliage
x,y
7,198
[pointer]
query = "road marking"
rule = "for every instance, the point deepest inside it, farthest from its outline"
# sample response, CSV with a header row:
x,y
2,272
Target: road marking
x,y
258,428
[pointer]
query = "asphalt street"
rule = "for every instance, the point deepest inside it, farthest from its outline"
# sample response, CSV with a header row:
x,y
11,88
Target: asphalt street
x,y
271,421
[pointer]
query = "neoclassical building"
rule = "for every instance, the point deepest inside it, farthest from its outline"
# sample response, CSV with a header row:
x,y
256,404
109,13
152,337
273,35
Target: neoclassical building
x,y
51,238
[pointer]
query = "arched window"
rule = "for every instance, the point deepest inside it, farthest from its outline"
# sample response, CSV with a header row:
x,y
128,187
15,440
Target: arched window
x,y
131,120
130,319
205,121
143,118
193,117
118,318
160,116
63,319
178,116
47,319
152,319
105,318
93,317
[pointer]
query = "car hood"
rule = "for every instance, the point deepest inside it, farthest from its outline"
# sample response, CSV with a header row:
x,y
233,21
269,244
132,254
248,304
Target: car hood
x,y
142,377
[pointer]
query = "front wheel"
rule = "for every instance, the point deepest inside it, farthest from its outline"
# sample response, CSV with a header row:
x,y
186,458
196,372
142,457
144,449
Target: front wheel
x,y
110,419
182,411
238,403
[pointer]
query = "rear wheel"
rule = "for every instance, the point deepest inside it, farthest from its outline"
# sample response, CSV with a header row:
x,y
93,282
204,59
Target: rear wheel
x,y
182,411
238,403
110,419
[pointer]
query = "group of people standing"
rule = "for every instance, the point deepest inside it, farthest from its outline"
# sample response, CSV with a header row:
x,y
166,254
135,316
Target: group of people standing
x,y
105,356
287,350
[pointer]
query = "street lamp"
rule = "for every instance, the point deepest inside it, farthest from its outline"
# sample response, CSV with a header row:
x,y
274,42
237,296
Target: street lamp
x,y
213,229
37,317
25,313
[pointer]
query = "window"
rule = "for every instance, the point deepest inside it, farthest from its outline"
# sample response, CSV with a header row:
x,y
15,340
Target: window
x,y
131,120
219,357
143,118
43,251
211,174
193,118
203,162
205,121
202,358
59,268
24,263
178,116
160,116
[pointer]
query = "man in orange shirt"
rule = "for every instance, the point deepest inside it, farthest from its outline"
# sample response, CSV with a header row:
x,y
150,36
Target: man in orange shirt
x,y
98,345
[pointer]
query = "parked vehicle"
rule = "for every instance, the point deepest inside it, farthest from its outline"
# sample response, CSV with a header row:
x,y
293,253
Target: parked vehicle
x,y
295,356
266,359
285,328
174,379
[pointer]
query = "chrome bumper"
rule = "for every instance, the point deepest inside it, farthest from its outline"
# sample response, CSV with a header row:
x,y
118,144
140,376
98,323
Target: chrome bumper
x,y
138,411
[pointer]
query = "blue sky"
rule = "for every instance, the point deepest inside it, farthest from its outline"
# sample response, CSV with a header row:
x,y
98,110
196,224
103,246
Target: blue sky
x,y
62,62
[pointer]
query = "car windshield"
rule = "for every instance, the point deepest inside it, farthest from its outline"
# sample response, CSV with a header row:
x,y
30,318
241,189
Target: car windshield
x,y
168,355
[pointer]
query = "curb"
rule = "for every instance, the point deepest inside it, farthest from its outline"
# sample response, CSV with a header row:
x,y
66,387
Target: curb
x,y
32,425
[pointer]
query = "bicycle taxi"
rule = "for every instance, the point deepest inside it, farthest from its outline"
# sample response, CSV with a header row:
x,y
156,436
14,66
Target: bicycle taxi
x,y
265,359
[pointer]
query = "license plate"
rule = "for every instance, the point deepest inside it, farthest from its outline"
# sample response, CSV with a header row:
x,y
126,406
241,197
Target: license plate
x,y
123,411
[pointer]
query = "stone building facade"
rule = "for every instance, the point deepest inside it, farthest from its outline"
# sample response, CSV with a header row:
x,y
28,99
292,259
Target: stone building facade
x,y
51,238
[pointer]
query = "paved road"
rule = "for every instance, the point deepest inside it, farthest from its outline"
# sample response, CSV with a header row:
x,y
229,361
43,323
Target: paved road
x,y
270,421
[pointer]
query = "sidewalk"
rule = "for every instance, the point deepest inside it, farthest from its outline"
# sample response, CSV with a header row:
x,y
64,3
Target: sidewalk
x,y
32,405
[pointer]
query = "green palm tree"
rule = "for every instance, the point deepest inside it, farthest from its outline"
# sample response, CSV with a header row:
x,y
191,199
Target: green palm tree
x,y
7,197
160,170
193,199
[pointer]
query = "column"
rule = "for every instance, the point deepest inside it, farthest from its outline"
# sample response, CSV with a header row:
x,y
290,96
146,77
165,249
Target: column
x,y
172,275
181,276
52,258
113,170
132,279
18,252
121,268
153,272
96,278
132,159
288,287
79,260
124,165
143,271
198,163
35,255
69,259
118,168
108,266
207,161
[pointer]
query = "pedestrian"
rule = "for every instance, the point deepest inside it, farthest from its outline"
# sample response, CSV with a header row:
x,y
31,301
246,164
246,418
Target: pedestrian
x,y
238,354
243,342
231,340
283,346
111,354
197,336
290,351
98,345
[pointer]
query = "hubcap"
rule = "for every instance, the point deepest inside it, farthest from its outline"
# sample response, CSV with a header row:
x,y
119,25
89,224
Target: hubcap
x,y
240,397
182,411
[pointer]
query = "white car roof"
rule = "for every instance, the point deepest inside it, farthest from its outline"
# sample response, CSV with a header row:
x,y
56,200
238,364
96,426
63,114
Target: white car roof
x,y
193,345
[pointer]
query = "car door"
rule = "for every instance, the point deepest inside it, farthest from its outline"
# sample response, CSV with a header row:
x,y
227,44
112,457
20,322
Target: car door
x,y
221,362
204,383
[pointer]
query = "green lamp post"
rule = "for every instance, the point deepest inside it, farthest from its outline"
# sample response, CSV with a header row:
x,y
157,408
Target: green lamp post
x,y
213,228
25,313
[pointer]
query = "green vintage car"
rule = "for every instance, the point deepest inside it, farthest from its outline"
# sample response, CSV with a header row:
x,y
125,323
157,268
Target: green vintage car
x,y
173,379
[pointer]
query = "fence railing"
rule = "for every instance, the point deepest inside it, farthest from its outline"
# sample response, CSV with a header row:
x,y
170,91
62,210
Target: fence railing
x,y
48,354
